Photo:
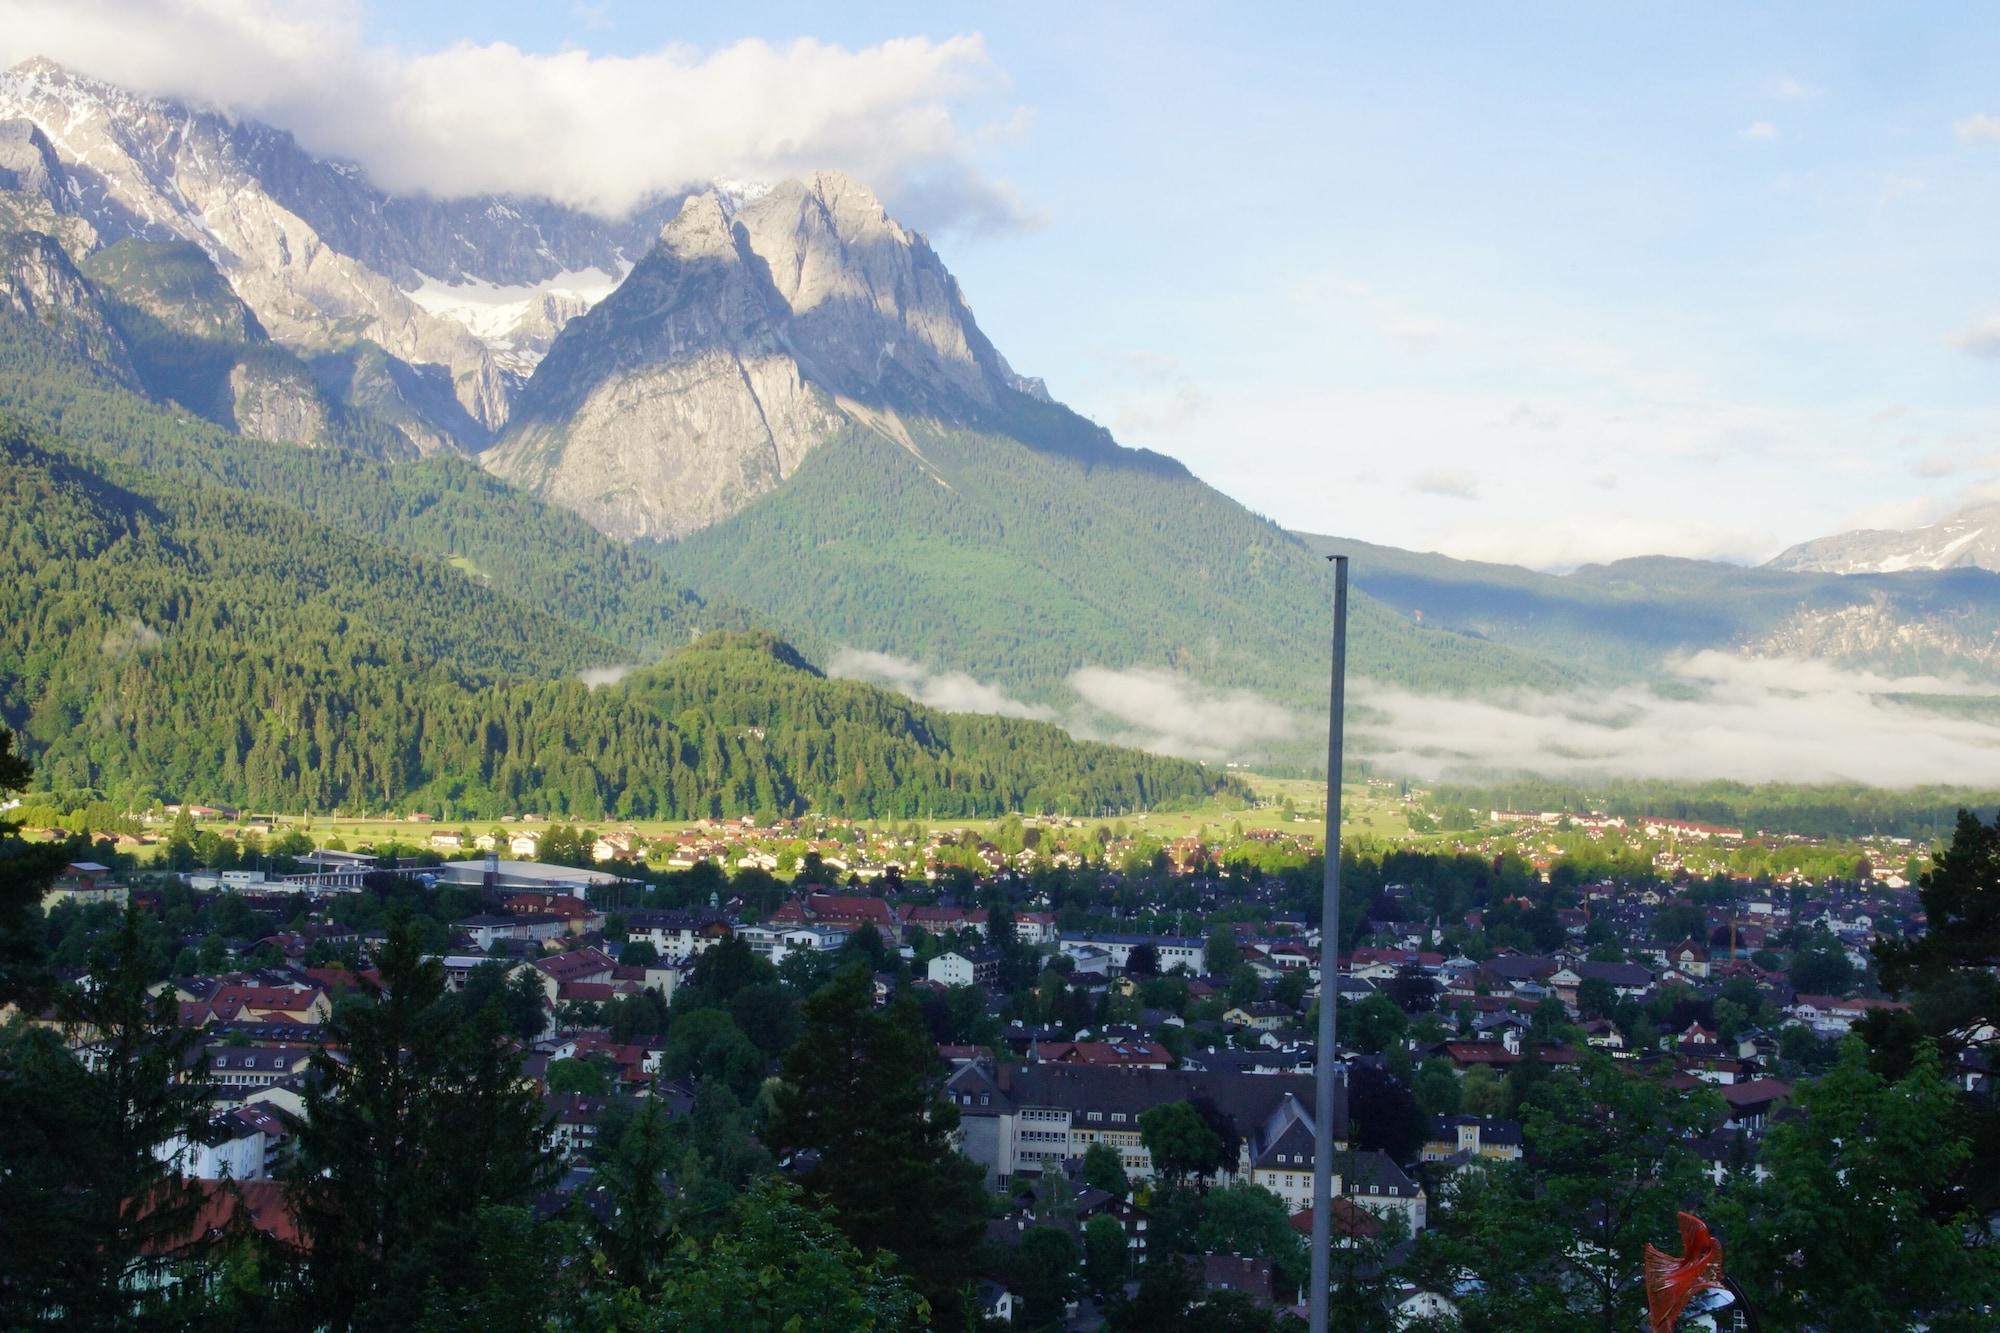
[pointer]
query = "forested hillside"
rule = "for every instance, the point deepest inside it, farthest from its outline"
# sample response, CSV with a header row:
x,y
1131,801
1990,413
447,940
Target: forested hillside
x,y
163,640
974,551
441,507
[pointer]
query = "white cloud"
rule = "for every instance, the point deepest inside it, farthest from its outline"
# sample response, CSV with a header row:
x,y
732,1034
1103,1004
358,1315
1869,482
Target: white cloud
x,y
952,691
1747,719
133,637
1530,417
1788,89
1450,484
1171,714
1979,339
1762,131
1978,128
599,132
599,676
1146,707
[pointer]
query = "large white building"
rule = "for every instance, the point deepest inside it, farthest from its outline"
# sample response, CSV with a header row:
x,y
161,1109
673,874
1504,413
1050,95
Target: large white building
x,y
1173,951
1025,1119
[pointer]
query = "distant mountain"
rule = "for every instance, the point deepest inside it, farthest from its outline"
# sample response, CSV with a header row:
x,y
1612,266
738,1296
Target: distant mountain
x,y
747,385
1622,619
1968,539
460,295
744,339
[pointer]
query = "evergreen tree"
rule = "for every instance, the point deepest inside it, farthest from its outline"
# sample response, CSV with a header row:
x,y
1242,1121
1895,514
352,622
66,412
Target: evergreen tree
x,y
857,1093
1951,976
26,871
96,1220
419,1134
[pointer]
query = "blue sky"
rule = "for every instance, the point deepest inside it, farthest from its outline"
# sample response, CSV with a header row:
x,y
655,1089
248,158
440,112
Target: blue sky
x,y
1548,283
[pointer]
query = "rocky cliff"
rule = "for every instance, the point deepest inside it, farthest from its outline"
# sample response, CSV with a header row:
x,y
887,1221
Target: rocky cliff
x,y
321,257
753,331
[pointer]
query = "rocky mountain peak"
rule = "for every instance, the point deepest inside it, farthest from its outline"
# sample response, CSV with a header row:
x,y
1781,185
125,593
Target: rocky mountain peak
x,y
28,162
762,322
701,230
1967,538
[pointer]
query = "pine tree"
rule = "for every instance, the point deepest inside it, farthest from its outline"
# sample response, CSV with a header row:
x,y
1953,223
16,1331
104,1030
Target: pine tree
x,y
857,1093
26,871
419,1137
95,1220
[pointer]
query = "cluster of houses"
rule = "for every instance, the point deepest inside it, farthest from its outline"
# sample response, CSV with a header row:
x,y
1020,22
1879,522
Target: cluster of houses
x,y
1032,1104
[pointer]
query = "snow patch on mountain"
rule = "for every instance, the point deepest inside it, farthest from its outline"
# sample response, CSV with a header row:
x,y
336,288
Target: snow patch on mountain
x,y
517,321
1969,538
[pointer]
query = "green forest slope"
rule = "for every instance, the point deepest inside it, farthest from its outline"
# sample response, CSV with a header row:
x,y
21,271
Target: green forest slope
x,y
975,551
164,640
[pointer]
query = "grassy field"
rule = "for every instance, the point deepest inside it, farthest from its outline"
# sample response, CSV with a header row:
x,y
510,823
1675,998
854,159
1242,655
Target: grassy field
x,y
1371,814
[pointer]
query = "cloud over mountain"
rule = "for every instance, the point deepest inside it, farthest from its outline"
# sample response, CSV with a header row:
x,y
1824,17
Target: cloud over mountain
x,y
1747,719
597,132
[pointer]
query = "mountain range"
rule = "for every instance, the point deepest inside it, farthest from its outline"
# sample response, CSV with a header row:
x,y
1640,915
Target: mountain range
x,y
751,406
1966,539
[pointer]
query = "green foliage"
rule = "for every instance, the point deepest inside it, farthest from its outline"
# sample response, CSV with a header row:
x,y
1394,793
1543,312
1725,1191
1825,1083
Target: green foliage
x,y
1372,1025
1863,1222
90,1209
1436,1088
258,658
1555,1240
1106,1256
707,1044
1104,1170
1819,966
1181,1141
414,1136
781,1263
1009,570
577,1076
26,871
856,1091
1046,1273
1824,811
1248,1219
1948,974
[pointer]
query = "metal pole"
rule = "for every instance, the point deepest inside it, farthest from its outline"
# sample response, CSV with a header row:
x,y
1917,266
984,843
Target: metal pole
x,y
1329,964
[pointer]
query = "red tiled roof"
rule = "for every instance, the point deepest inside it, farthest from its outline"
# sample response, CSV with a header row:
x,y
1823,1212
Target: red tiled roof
x,y
1348,1220
231,1206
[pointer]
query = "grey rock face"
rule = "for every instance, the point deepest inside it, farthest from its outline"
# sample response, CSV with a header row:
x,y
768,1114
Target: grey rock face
x,y
675,401
322,257
273,401
750,327
40,286
28,162
1969,538
749,335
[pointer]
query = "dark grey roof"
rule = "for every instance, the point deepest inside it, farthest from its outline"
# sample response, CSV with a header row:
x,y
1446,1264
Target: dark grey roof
x,y
1246,1099
1618,974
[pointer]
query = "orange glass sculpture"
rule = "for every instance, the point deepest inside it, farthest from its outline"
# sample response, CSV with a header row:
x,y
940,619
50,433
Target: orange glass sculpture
x,y
1673,1280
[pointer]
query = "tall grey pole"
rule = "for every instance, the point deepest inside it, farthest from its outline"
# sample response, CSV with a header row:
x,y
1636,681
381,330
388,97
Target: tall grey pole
x,y
1329,965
